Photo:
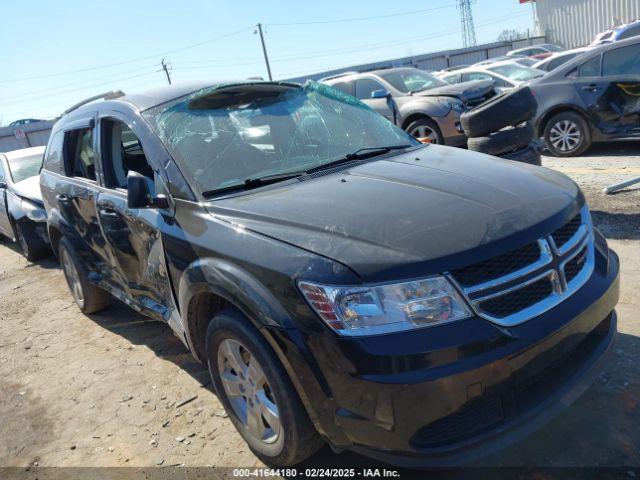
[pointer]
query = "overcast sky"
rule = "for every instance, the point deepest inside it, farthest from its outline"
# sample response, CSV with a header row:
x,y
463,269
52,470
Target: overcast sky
x,y
55,53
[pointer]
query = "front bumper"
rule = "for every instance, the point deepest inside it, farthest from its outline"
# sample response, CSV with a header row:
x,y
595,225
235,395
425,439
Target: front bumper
x,y
448,395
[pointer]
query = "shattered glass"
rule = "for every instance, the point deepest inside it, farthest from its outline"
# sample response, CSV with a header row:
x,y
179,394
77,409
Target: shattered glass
x,y
225,134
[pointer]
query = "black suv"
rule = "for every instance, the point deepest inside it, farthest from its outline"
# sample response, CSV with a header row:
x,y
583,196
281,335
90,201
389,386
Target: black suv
x,y
343,282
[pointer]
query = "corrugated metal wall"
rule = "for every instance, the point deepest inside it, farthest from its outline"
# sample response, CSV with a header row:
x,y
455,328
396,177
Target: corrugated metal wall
x,y
35,135
436,60
575,23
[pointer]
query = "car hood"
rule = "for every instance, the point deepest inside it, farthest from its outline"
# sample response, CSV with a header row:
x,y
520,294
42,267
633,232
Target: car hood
x,y
465,91
417,213
29,188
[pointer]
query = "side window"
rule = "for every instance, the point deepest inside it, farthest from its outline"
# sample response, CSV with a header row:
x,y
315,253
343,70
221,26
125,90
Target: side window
x,y
365,86
590,68
53,160
121,153
622,61
346,87
79,157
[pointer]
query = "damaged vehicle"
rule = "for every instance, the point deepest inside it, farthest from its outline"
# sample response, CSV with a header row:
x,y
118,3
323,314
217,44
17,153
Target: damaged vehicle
x,y
344,283
593,98
416,101
22,215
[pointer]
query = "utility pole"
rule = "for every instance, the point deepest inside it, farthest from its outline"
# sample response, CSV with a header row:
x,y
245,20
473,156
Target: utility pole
x,y
165,67
264,50
466,18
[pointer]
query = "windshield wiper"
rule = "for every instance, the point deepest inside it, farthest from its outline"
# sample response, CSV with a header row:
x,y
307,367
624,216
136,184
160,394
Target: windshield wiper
x,y
359,154
253,183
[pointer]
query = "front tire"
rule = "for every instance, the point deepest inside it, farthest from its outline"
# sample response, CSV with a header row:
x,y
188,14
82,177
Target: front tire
x,y
426,128
257,393
567,134
26,242
87,296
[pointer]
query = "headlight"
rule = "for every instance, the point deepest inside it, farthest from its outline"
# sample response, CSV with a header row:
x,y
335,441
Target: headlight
x,y
34,212
377,309
452,104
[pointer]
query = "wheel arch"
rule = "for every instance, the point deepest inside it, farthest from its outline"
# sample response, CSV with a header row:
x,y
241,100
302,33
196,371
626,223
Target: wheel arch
x,y
413,116
209,285
542,122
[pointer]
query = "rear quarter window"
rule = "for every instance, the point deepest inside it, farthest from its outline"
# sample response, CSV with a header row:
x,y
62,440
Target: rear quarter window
x,y
53,160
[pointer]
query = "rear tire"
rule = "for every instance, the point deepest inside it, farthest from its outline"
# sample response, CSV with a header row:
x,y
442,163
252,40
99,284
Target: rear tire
x,y
505,109
257,393
567,134
89,297
503,141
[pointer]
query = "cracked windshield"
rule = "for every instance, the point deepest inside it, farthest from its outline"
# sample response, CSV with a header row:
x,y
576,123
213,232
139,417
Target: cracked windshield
x,y
224,136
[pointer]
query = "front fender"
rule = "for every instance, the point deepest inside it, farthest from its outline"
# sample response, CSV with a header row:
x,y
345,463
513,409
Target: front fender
x,y
236,286
430,107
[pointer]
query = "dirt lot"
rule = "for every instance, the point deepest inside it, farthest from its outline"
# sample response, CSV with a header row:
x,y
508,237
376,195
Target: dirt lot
x,y
105,390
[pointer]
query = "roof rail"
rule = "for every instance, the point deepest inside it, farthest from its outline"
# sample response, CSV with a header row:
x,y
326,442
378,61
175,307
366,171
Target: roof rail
x,y
103,96
338,75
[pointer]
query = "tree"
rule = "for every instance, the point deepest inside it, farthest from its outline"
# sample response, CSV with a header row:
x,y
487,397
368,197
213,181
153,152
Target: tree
x,y
511,34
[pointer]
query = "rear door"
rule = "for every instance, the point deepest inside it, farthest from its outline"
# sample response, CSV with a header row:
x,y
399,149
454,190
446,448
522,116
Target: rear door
x,y
133,237
76,196
609,87
5,225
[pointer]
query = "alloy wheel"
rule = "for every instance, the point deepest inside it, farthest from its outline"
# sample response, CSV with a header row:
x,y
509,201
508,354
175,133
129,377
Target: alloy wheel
x,y
565,136
72,276
423,131
248,391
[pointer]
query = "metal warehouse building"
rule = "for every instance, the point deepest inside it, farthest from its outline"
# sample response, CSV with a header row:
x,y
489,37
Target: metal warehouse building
x,y
574,23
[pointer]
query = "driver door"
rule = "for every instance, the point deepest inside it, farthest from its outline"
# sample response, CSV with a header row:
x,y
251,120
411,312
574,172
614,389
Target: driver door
x,y
133,237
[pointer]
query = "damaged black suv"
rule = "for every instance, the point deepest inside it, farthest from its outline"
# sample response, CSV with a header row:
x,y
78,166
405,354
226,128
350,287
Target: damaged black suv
x,y
344,283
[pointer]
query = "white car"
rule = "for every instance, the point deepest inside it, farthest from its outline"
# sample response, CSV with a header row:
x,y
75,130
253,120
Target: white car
x,y
536,51
621,32
557,59
506,74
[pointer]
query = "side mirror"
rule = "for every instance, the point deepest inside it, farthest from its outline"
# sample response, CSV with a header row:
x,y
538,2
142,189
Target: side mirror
x,y
139,193
382,93
3,184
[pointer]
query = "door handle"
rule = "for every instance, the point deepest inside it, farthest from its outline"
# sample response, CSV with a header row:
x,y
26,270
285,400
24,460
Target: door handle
x,y
591,88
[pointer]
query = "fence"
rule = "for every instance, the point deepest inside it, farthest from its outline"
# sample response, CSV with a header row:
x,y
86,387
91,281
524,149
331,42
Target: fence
x,y
437,60
24,136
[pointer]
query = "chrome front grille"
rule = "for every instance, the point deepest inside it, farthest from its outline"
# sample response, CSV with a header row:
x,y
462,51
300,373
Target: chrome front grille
x,y
513,287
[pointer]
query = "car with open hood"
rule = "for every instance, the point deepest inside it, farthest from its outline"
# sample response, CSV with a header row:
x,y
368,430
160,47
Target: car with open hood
x,y
415,100
22,215
343,282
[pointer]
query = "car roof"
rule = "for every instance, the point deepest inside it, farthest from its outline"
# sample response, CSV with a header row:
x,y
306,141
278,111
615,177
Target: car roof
x,y
151,97
24,152
588,55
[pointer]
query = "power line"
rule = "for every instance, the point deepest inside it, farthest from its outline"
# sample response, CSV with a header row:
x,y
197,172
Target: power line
x,y
126,62
358,19
75,90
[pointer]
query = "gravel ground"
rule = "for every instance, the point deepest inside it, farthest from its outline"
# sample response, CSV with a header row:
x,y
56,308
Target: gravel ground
x,y
105,390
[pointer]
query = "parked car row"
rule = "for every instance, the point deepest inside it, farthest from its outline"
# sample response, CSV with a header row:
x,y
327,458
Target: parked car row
x,y
331,270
